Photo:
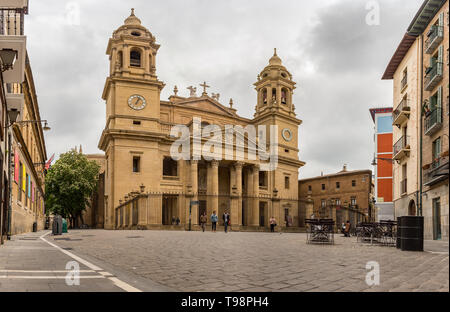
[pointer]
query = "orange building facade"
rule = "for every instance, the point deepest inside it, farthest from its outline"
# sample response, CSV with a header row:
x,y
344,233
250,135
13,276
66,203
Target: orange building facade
x,y
382,118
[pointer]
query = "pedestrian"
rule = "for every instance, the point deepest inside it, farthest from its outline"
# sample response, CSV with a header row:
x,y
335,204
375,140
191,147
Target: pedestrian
x,y
347,229
214,219
173,220
203,220
273,224
178,221
226,221
343,228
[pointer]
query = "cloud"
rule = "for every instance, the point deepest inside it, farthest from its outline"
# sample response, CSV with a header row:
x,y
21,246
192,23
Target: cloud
x,y
334,56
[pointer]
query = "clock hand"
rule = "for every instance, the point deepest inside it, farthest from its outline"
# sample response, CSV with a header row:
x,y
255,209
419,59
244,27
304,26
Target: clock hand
x,y
137,101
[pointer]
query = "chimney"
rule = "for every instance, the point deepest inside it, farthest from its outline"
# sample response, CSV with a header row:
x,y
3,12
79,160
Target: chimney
x,y
345,168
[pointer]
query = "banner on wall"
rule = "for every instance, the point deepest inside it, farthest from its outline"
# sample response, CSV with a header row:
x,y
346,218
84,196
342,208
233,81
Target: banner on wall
x,y
16,166
24,177
29,186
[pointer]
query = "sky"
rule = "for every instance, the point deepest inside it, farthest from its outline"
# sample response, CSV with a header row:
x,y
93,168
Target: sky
x,y
336,50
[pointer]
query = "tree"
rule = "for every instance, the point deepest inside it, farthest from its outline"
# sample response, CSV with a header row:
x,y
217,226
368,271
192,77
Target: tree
x,y
70,183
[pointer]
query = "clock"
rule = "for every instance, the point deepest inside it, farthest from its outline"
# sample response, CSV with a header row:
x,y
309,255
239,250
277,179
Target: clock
x,y
137,102
287,135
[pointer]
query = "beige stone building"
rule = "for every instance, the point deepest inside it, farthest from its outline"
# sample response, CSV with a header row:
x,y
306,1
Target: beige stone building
x,y
346,195
23,139
419,70
146,188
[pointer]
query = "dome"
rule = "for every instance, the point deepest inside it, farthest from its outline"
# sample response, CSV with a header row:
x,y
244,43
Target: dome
x,y
132,19
275,60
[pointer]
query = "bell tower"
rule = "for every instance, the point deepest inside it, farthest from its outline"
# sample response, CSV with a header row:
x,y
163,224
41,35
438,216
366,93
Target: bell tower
x,y
275,88
132,88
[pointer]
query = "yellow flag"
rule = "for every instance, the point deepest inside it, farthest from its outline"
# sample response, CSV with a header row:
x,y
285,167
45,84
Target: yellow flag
x,y
24,180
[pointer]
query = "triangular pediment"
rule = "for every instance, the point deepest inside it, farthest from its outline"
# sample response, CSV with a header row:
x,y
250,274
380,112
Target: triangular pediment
x,y
207,104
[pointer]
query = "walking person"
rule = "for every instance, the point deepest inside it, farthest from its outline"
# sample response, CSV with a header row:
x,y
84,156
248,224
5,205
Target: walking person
x,y
226,221
347,229
273,224
214,219
203,220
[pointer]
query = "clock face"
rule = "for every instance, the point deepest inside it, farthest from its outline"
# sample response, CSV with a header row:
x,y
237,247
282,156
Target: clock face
x,y
137,102
287,135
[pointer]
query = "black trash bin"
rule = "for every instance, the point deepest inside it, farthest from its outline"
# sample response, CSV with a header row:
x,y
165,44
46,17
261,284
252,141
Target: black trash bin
x,y
35,227
411,233
399,232
57,225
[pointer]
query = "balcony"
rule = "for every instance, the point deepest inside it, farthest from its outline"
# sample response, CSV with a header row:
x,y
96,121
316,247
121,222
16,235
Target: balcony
x,y
401,113
437,171
435,37
12,37
404,187
433,121
402,148
433,76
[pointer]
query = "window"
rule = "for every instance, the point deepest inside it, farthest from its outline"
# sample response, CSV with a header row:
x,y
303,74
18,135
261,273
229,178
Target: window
x,y
136,122
309,188
286,183
338,202
436,151
338,185
264,96
283,96
324,203
170,167
353,183
263,179
353,201
405,78
136,164
323,187
135,58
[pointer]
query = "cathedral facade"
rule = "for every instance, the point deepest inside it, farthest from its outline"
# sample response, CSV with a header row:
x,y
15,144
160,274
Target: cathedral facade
x,y
146,187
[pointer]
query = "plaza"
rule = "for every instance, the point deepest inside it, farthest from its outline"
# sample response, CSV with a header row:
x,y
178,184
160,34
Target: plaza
x,y
218,262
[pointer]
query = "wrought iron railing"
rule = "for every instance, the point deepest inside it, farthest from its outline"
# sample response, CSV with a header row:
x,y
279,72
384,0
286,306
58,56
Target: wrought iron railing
x,y
437,32
401,144
438,169
12,22
401,107
432,119
436,71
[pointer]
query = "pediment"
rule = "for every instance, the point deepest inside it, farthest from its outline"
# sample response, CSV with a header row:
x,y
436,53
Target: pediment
x,y
206,104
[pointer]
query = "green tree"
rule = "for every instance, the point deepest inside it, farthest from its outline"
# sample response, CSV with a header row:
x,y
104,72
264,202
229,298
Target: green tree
x,y
69,184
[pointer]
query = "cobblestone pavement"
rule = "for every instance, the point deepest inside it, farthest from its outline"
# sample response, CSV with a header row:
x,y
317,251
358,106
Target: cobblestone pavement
x,y
195,261
28,263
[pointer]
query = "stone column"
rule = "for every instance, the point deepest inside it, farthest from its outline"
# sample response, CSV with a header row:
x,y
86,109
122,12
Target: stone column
x,y
194,183
126,58
215,187
279,95
236,196
255,212
333,216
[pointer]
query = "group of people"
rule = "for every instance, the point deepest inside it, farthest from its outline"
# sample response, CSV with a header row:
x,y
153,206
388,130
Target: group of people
x,y
176,221
226,222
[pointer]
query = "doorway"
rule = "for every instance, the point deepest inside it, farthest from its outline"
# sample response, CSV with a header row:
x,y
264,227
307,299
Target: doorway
x,y
437,231
412,208
169,210
201,209
262,213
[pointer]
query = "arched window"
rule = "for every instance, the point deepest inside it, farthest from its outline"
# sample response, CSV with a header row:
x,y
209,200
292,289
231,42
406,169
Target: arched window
x,y
264,97
274,94
135,58
284,96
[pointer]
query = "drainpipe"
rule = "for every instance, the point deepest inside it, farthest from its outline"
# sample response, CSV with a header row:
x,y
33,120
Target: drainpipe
x,y
421,129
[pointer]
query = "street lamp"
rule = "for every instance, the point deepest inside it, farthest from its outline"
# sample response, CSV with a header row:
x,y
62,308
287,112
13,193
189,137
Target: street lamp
x,y
374,162
7,57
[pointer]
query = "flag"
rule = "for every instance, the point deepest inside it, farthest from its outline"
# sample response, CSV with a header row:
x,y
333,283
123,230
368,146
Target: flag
x,y
16,166
49,162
